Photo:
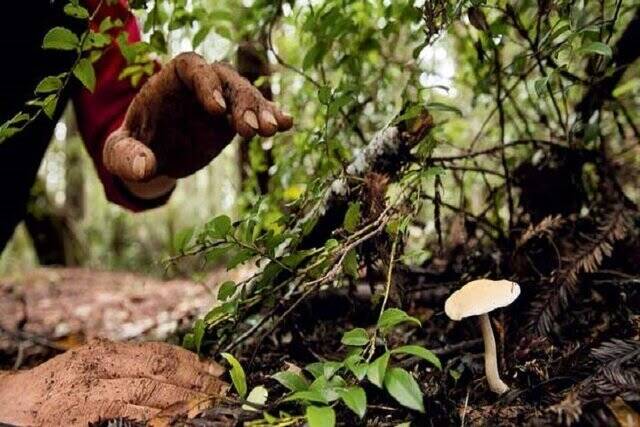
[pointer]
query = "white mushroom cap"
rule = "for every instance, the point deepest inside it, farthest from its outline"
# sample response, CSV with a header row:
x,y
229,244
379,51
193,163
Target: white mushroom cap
x,y
480,297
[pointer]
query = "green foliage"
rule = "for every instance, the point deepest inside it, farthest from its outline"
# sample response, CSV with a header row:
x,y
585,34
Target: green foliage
x,y
339,380
238,376
292,381
355,398
352,217
198,334
393,317
404,388
355,337
49,84
597,48
377,369
420,352
226,290
321,416
60,38
84,72
76,11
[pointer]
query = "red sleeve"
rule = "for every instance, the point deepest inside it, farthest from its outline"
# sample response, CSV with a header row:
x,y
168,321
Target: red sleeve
x,y
101,112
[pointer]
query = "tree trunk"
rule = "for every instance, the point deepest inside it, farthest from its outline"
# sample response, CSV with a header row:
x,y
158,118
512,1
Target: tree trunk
x,y
54,240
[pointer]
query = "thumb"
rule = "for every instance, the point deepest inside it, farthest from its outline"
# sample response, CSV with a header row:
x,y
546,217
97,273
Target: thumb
x,y
128,158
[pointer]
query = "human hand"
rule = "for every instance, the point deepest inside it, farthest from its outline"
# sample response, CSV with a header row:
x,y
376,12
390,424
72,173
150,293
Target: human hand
x,y
184,116
104,380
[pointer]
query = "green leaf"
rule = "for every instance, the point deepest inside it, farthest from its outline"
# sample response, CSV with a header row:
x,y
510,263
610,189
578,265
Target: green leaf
x,y
198,333
328,388
238,376
76,11
356,365
60,38
226,290
96,40
109,23
352,217
377,369
182,239
356,399
597,48
307,395
85,73
331,244
201,35
357,336
393,317
215,314
338,103
158,42
330,368
323,416
324,95
188,342
350,264
439,106
219,227
316,369
240,257
540,86
403,387
421,352
49,105
257,395
625,87
314,55
49,84
213,254
291,380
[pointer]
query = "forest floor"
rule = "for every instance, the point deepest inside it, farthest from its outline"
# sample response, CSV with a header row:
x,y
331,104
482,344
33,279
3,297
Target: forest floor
x,y
583,374
49,310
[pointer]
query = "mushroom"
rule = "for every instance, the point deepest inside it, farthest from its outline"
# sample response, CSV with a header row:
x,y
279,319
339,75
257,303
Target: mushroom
x,y
477,298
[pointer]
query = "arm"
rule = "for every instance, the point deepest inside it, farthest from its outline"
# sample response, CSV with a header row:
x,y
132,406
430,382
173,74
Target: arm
x,y
103,111
179,120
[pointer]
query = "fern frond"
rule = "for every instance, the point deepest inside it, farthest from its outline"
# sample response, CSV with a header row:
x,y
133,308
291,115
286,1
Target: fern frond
x,y
583,256
547,226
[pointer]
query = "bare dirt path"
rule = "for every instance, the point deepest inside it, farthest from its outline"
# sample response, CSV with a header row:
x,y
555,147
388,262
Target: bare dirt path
x,y
48,310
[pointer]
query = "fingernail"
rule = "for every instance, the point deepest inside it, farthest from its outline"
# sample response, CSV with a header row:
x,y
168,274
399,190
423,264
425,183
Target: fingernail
x,y
268,117
287,115
139,166
251,119
219,99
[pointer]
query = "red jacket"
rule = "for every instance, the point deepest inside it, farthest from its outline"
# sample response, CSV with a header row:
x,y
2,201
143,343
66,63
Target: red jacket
x,y
101,112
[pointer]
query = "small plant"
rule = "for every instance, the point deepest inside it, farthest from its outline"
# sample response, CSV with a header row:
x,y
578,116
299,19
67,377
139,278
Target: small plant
x,y
320,386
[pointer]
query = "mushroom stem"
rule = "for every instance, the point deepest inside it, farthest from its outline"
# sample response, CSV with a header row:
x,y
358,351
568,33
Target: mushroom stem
x,y
490,356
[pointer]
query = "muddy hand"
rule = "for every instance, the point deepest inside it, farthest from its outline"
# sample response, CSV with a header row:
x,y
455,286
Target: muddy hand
x,y
184,116
107,380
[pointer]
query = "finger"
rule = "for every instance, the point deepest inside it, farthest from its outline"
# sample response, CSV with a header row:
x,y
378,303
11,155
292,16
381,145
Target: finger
x,y
128,158
88,409
168,364
202,79
245,121
285,121
145,392
268,123
105,410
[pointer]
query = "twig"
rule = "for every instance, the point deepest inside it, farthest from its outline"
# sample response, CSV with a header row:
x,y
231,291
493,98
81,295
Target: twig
x,y
387,290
